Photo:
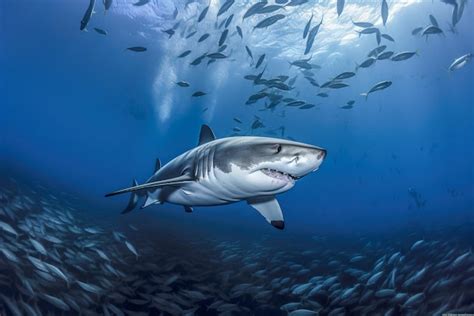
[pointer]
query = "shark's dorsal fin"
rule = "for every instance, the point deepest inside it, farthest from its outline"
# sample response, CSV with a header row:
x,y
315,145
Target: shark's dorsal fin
x,y
157,164
185,178
269,208
206,135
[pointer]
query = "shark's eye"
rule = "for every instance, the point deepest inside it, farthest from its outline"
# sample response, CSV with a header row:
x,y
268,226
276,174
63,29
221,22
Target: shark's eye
x,y
278,148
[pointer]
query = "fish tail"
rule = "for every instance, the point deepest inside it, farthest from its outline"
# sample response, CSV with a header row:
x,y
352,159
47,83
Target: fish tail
x,y
366,95
133,200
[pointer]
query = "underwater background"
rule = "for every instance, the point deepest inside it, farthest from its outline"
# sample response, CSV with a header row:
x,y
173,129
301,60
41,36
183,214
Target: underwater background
x,y
385,226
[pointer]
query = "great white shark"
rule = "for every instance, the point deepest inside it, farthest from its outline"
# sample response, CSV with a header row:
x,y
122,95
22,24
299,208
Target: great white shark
x,y
228,170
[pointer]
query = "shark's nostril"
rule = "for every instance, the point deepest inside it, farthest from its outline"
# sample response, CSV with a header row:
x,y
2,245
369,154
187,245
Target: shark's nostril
x,y
321,154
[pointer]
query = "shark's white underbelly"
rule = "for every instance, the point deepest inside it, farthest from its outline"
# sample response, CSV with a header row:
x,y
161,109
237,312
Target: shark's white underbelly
x,y
200,194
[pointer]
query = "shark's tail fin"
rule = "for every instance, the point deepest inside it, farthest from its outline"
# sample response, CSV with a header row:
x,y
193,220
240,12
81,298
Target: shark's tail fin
x,y
132,202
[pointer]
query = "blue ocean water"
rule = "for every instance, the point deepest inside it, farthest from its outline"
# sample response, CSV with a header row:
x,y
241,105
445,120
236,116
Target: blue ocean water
x,y
83,115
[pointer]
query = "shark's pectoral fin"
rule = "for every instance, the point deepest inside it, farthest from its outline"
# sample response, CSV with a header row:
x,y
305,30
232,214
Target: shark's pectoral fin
x,y
269,208
185,178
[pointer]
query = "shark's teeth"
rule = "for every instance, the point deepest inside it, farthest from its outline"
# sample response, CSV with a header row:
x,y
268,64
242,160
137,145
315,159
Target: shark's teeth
x,y
280,175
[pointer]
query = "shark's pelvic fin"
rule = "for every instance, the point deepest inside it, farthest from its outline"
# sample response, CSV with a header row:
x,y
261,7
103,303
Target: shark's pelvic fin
x,y
150,201
188,209
269,208
132,202
157,164
206,135
185,178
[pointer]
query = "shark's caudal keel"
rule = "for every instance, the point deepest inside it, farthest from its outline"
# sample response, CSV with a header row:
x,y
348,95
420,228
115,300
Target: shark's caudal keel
x,y
227,170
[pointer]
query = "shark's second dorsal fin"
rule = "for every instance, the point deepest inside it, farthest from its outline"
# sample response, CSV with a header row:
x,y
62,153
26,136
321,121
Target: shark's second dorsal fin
x,y
206,135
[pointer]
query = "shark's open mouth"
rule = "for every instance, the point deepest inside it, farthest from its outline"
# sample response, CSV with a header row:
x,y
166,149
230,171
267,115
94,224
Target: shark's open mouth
x,y
276,174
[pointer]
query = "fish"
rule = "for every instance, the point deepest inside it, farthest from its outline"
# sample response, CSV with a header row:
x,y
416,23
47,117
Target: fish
x,y
170,32
175,13
216,56
307,106
87,15
385,55
57,302
137,49
223,37
340,7
140,3
378,37
460,62
228,21
403,56
363,24
384,11
191,34
199,94
366,63
239,31
254,9
183,84
249,52
296,103
388,37
368,30
307,27
89,287
312,35
184,54
377,87
337,85
430,30
100,31
225,7
198,60
269,21
203,14
260,60
237,120
294,3
345,75
38,247
269,9
322,95
203,37
376,51
301,63
55,270
8,228
235,154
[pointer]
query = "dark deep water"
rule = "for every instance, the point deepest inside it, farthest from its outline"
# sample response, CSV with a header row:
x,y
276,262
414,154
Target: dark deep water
x,y
385,226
